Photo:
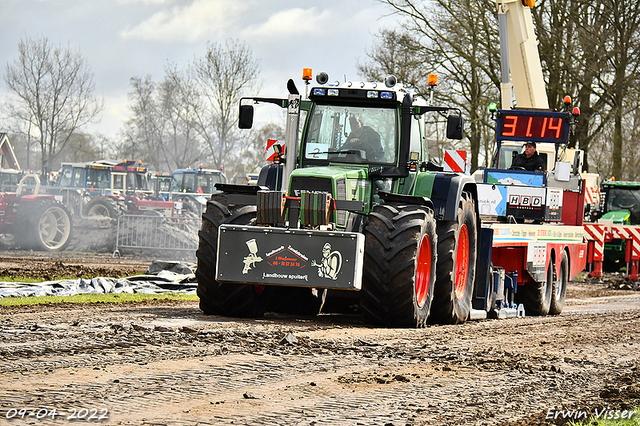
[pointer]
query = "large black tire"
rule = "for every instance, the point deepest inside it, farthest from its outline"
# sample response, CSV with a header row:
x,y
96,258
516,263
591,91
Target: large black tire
x,y
43,225
536,297
102,206
399,259
560,286
234,300
456,268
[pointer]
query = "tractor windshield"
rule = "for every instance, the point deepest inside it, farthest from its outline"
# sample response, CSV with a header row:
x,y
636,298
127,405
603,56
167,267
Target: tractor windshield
x,y
352,134
624,199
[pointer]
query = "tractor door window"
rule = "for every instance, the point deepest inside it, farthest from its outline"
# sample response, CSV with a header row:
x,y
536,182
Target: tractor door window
x,y
118,181
78,178
102,178
91,178
205,184
506,156
190,183
65,177
132,182
351,134
176,182
416,139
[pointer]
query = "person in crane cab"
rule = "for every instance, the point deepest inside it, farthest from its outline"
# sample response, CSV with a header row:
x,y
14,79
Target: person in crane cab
x,y
365,138
529,159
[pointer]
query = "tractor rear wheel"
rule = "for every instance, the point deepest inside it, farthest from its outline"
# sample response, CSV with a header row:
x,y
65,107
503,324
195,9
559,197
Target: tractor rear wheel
x,y
455,272
560,286
44,225
399,266
228,299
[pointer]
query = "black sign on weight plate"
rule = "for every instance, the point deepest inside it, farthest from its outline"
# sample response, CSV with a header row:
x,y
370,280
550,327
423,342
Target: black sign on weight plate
x,y
290,257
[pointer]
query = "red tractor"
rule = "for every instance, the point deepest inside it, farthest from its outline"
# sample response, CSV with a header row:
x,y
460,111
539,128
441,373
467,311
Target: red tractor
x,y
34,221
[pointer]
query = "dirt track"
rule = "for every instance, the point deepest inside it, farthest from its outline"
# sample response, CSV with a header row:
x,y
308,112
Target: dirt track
x,y
165,363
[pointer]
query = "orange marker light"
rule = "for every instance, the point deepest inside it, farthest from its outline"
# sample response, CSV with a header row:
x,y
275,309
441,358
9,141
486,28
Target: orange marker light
x,y
306,74
432,80
567,100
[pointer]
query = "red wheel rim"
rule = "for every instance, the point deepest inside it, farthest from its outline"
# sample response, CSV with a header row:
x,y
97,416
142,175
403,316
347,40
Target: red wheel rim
x,y
462,262
423,271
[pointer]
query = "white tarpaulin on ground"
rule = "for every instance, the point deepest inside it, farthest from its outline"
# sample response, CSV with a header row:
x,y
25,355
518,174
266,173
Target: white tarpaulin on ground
x,y
160,277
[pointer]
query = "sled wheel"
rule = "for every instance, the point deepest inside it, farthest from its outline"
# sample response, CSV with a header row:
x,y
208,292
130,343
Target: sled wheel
x,y
399,259
455,272
228,299
560,286
537,297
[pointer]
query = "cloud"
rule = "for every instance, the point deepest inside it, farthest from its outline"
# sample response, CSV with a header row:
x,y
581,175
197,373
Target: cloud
x,y
200,19
292,22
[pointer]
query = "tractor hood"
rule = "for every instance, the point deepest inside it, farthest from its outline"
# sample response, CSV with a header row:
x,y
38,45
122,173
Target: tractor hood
x,y
343,182
618,216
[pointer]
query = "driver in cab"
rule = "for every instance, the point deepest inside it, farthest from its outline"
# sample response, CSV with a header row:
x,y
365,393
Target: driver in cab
x,y
529,159
365,138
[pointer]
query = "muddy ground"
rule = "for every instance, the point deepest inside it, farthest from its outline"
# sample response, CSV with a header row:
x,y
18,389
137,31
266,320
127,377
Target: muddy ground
x,y
164,363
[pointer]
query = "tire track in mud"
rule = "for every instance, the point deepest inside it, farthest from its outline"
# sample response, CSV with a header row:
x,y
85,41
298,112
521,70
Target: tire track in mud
x,y
285,371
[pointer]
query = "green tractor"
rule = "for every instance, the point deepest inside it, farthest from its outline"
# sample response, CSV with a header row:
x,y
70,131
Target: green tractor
x,y
620,204
357,216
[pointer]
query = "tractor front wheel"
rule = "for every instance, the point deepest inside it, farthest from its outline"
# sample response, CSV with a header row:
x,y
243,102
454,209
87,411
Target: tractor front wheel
x,y
216,298
399,266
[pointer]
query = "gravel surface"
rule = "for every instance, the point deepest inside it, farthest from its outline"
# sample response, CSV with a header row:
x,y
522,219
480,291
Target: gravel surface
x,y
165,363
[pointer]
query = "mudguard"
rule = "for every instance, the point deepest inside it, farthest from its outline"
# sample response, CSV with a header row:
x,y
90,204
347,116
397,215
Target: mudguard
x,y
447,191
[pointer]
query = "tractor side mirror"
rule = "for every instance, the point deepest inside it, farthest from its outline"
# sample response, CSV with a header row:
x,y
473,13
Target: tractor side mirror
x,y
245,120
455,126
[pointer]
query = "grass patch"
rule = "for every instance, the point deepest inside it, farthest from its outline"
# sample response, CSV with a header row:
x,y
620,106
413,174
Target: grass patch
x,y
25,279
94,298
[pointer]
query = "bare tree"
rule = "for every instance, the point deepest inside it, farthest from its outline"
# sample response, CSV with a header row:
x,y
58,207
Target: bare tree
x,y
224,74
179,101
457,39
53,88
140,131
621,38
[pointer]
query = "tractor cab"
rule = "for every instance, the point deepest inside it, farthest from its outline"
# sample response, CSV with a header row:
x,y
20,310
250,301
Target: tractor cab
x,y
129,176
198,181
621,202
554,193
92,175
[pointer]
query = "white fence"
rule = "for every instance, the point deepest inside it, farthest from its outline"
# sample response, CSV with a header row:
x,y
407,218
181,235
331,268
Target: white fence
x,y
150,234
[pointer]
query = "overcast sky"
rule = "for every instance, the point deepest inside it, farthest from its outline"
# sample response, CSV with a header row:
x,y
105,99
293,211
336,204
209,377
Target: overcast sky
x,y
125,38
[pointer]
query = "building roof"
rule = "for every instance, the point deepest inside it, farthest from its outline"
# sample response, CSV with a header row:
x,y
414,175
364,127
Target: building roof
x,y
7,156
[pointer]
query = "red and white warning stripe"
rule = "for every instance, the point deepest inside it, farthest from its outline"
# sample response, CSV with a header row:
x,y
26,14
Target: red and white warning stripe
x,y
269,152
454,161
634,234
596,233
592,195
